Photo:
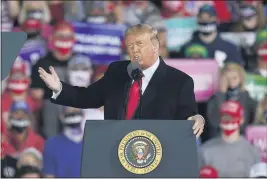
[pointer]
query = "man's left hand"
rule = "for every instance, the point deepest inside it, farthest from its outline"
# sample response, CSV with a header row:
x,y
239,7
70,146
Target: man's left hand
x,y
199,124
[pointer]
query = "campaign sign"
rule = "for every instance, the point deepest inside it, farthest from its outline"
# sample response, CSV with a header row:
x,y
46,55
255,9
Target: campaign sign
x,y
101,42
257,136
32,51
179,31
256,85
204,73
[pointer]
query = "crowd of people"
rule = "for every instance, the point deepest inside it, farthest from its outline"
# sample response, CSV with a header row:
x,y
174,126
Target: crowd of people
x,y
42,139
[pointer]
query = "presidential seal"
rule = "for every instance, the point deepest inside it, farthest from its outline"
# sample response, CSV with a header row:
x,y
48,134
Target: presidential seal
x,y
140,152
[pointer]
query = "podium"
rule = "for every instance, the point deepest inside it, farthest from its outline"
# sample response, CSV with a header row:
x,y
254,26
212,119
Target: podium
x,y
139,149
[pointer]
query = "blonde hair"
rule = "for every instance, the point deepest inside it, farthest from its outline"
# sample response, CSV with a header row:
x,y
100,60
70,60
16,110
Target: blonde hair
x,y
261,19
239,69
33,153
142,29
259,118
27,5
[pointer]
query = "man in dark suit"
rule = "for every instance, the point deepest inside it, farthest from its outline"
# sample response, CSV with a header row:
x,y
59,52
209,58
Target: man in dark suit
x,y
167,93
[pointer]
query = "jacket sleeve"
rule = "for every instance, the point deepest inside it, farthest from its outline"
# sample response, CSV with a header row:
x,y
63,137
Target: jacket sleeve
x,y
213,116
92,96
187,103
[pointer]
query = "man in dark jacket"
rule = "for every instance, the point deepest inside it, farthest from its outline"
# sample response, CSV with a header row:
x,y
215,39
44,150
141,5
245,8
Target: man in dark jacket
x,y
166,93
208,36
63,41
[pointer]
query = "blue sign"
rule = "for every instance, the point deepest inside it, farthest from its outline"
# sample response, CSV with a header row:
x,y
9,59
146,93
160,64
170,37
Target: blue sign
x,y
101,42
33,50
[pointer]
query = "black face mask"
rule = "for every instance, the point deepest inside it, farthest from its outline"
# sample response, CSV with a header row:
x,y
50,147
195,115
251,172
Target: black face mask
x,y
207,28
73,123
18,129
233,93
19,125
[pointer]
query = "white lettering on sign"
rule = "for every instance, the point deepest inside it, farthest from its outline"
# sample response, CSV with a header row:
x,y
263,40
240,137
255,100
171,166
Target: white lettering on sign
x,y
95,49
98,39
257,92
260,143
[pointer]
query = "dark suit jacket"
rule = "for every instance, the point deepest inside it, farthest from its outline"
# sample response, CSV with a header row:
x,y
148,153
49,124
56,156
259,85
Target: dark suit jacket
x,y
169,94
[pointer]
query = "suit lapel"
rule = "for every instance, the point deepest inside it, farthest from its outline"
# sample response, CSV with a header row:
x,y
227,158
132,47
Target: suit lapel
x,y
151,90
148,96
122,95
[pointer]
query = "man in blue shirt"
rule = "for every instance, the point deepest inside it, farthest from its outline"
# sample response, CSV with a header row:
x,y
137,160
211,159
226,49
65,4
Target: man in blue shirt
x,y
57,161
207,35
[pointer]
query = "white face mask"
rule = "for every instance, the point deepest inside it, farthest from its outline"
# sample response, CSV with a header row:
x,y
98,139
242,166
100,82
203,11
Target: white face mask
x,y
73,129
80,78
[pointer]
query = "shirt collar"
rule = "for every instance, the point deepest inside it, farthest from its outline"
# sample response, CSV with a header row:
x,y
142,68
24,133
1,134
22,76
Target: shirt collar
x,y
148,73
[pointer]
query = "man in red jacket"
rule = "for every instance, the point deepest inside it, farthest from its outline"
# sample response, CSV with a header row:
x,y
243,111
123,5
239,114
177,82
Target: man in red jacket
x,y
19,134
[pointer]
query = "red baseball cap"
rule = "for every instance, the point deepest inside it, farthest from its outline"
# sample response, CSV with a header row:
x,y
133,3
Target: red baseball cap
x,y
232,108
208,172
19,66
63,25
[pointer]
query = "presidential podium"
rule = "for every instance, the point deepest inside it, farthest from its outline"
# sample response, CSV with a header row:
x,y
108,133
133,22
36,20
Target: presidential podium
x,y
139,149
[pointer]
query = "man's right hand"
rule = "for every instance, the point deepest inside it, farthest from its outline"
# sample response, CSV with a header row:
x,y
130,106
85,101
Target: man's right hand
x,y
52,80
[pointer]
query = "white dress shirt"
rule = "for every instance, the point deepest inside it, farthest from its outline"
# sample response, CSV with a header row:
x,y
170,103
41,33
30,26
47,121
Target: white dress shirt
x,y
148,73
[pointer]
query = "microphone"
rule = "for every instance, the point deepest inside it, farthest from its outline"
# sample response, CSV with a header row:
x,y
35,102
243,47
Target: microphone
x,y
135,71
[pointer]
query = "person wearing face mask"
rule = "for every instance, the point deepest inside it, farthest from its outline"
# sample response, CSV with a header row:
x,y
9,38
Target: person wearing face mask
x,y
261,112
231,87
62,40
80,72
102,12
260,45
59,162
230,153
29,163
32,18
207,35
17,86
251,18
33,23
20,135
8,163
141,12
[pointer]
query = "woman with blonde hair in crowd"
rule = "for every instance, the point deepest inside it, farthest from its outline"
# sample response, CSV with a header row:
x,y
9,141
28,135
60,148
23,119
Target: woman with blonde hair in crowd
x,y
29,164
251,17
231,87
261,112
34,17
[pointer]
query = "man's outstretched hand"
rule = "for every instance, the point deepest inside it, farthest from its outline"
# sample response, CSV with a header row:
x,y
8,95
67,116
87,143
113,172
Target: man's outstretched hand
x,y
52,80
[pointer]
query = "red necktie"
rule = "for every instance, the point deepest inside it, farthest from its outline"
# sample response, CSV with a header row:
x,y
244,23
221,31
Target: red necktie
x,y
133,100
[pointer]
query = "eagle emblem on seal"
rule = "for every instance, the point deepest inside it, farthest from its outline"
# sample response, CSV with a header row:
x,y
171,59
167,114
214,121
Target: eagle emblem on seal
x,y
140,151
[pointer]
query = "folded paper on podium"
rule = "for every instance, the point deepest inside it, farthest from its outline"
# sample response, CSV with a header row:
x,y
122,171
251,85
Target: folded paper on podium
x,y
139,149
